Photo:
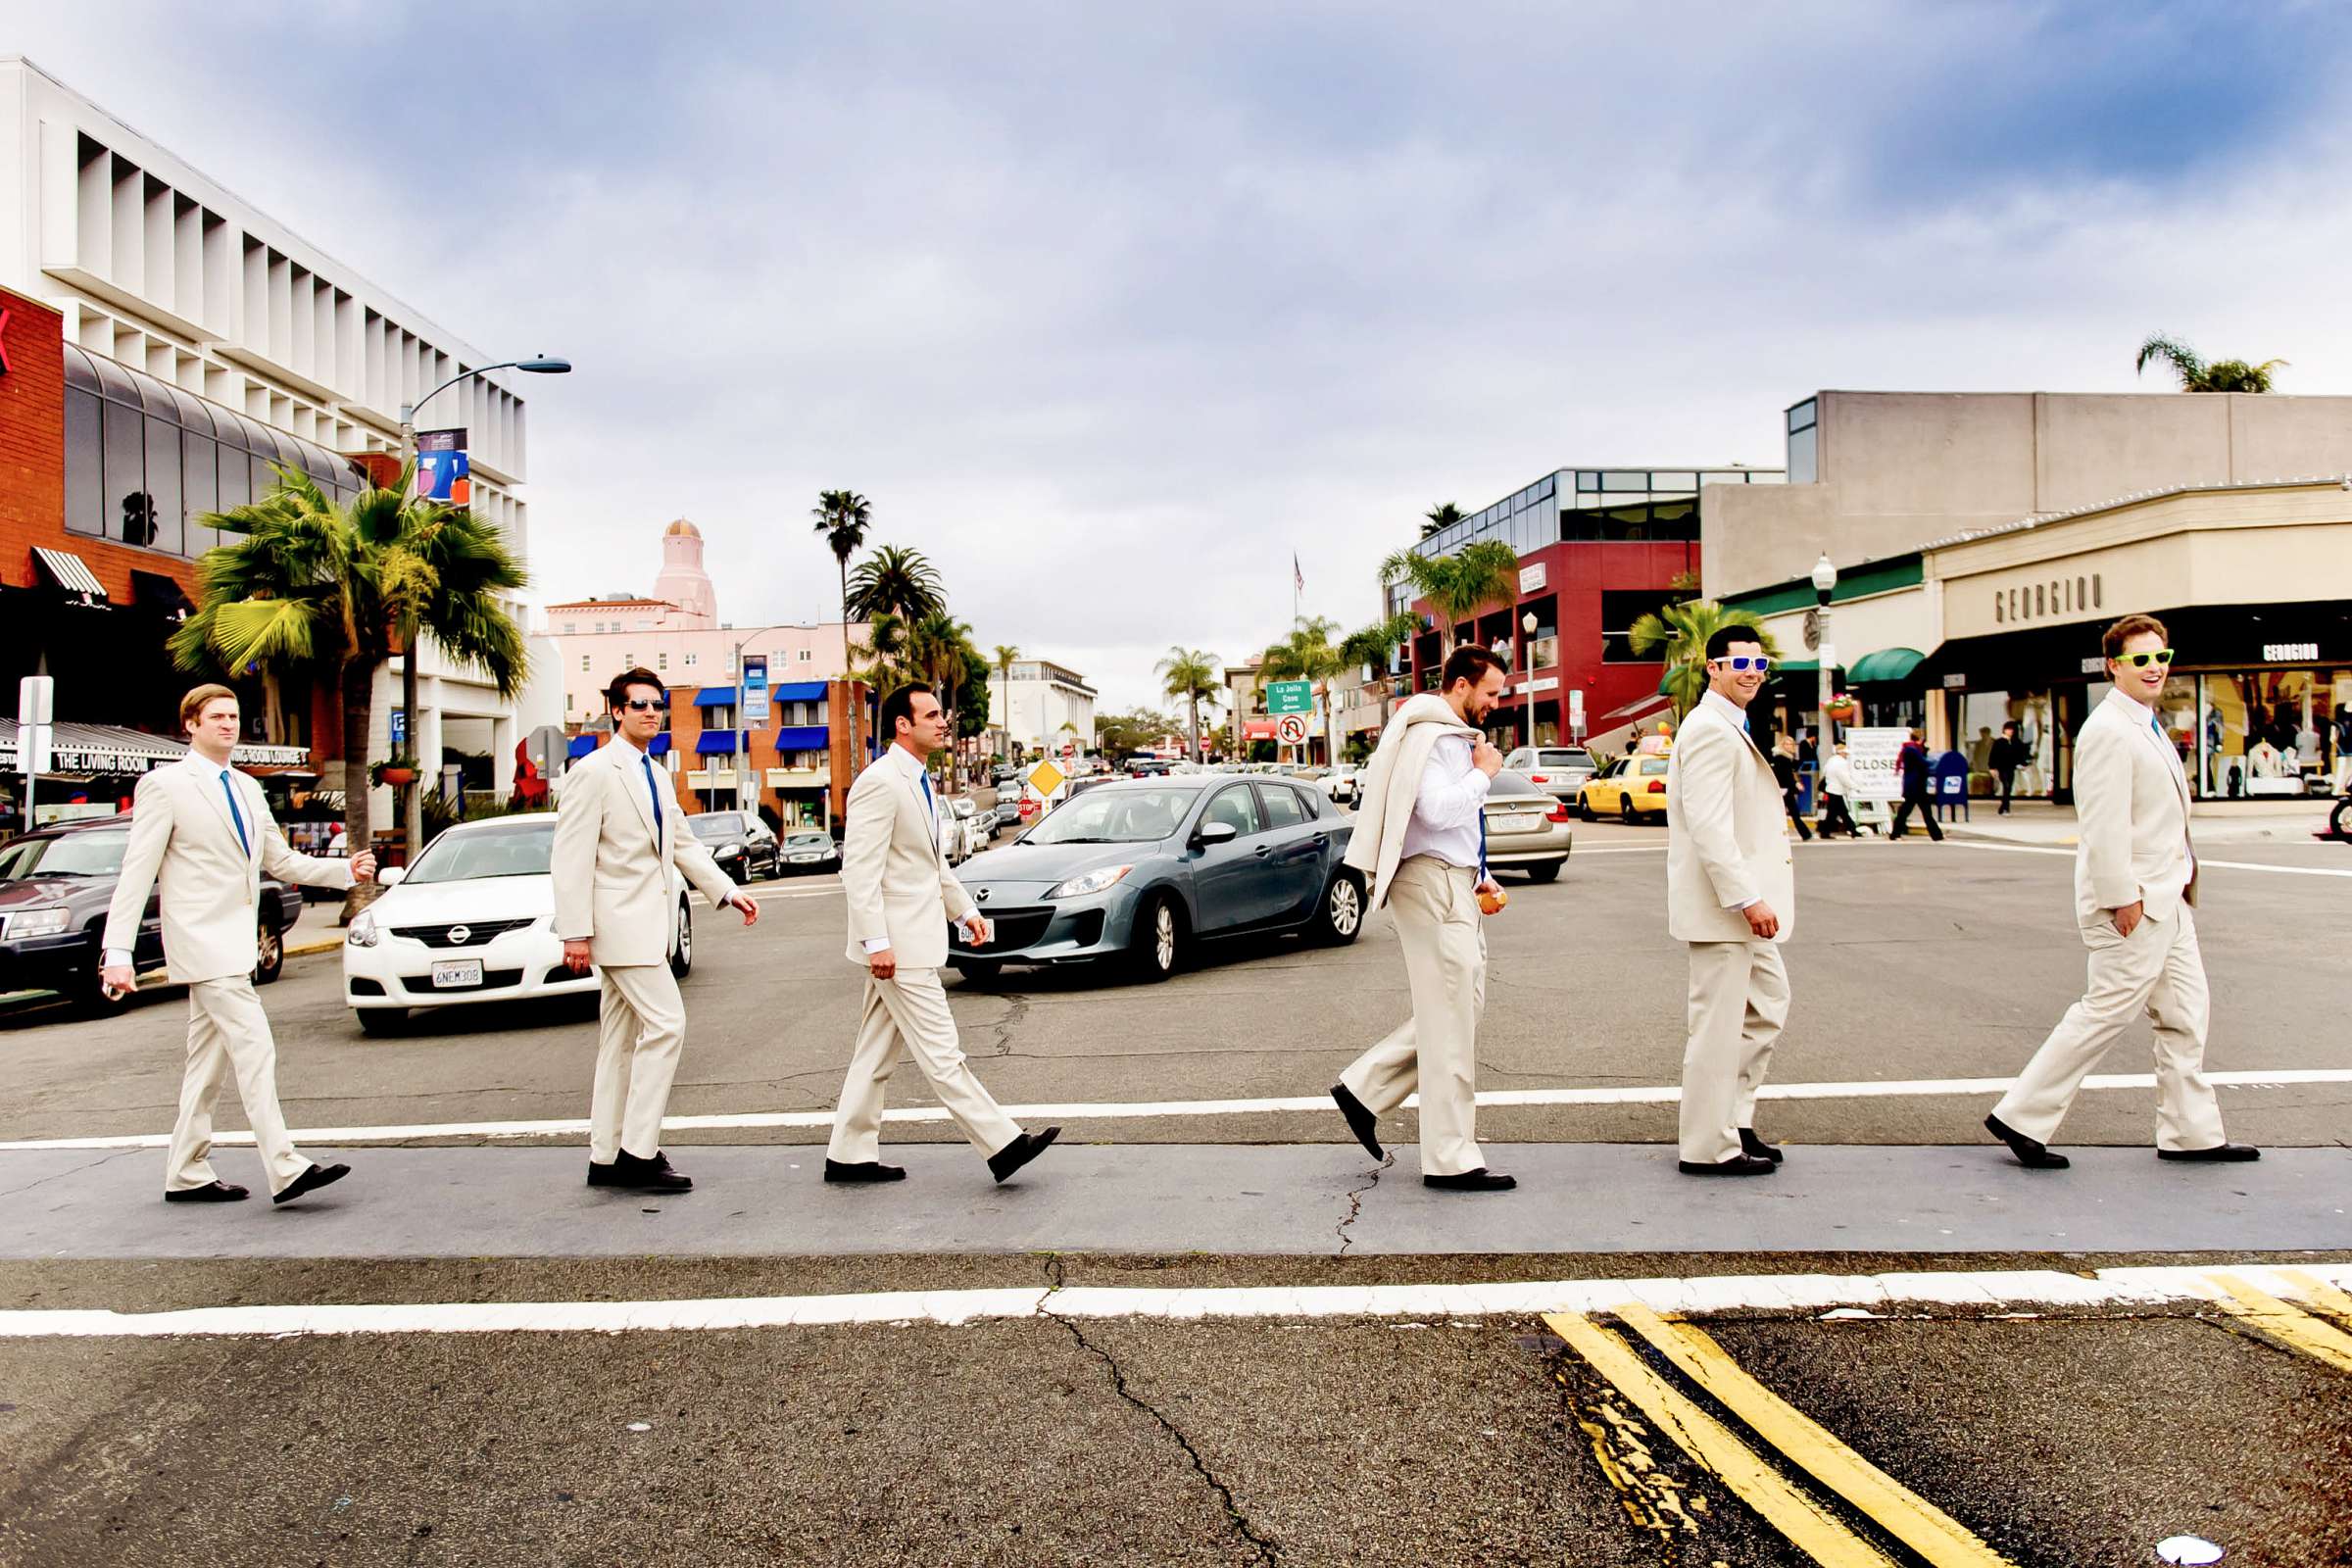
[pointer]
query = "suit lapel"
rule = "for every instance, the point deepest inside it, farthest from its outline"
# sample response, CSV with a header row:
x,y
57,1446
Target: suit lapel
x,y
205,779
632,784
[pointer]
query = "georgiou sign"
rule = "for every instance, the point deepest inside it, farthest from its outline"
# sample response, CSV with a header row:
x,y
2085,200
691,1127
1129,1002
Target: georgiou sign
x,y
2042,597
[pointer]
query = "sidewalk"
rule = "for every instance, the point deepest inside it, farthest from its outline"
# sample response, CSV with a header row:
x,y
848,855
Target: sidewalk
x,y
2213,822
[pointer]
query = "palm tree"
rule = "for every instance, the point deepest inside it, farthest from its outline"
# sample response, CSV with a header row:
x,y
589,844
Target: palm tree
x,y
1189,675
2221,375
315,584
1007,655
1374,645
936,645
841,517
898,580
1681,630
1442,515
1457,586
1307,654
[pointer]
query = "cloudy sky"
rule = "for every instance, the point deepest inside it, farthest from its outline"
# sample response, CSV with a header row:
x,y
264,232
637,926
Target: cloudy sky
x,y
1109,310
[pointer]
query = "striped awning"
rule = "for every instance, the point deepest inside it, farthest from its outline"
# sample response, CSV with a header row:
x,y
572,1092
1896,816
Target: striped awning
x,y
71,572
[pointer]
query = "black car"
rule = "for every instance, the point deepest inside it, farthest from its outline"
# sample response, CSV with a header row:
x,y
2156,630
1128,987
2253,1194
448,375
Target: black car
x,y
742,845
55,886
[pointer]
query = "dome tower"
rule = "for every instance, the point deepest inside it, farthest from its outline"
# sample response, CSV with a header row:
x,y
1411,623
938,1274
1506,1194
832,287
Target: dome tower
x,y
683,581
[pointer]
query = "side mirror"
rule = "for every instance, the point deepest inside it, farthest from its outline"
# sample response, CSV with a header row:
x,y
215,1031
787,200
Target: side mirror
x,y
1216,833
391,876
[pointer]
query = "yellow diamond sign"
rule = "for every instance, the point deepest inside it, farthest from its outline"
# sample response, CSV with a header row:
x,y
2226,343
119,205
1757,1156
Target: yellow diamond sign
x,y
1046,778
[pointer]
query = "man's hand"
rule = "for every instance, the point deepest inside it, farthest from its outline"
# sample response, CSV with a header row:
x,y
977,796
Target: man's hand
x,y
576,956
119,978
2131,914
975,929
1484,757
1488,885
1762,921
362,867
745,904
882,963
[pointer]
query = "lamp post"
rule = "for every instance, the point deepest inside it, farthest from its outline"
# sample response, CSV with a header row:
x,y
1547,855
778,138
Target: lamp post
x,y
413,813
1825,579
1526,625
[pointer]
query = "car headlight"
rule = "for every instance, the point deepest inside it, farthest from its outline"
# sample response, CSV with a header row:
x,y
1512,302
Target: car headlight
x,y
363,932
1078,887
726,850
46,922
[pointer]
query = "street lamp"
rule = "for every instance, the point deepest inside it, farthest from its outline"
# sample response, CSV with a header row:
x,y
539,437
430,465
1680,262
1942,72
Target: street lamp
x,y
1825,578
1527,624
413,815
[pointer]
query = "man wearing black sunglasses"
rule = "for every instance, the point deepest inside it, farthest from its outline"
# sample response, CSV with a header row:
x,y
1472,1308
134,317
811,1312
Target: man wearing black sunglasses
x,y
2135,883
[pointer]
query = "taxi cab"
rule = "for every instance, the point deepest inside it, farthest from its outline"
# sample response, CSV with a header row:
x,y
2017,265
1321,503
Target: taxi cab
x,y
1632,787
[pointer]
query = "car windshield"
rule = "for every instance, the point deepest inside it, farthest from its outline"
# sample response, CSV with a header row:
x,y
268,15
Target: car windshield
x,y
64,855
716,825
1115,816
522,849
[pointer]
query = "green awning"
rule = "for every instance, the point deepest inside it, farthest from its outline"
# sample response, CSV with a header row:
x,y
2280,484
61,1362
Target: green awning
x,y
1796,666
1888,663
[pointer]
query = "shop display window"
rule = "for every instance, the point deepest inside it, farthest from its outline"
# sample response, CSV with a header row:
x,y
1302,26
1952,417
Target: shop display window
x,y
2274,733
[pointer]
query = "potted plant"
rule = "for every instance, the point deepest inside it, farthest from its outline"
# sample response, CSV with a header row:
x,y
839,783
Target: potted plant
x,y
397,769
1842,706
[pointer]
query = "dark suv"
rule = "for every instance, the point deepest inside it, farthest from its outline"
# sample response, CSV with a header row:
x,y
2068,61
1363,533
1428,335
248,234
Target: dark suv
x,y
55,886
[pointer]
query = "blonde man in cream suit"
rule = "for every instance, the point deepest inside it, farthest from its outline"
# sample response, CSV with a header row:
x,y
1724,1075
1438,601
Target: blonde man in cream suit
x,y
619,849
202,830
2135,884
901,895
1731,894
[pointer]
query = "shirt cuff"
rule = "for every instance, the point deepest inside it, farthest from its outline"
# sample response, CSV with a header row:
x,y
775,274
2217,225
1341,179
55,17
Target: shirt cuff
x,y
877,943
116,958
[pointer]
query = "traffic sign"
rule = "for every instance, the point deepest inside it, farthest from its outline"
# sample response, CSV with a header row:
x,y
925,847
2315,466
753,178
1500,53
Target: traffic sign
x,y
1290,697
1292,731
1046,778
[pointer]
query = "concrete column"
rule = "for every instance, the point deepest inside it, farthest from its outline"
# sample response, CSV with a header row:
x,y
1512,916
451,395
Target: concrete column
x,y
503,739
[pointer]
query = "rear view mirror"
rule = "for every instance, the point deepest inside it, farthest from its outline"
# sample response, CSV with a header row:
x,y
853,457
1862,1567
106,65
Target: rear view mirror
x,y
1217,833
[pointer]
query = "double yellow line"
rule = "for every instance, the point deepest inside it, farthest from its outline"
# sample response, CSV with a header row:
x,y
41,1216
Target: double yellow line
x,y
2277,1319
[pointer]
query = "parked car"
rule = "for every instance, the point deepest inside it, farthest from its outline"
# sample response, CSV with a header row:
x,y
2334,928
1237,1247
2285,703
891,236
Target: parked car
x,y
809,850
473,921
1632,787
1561,770
1340,784
1138,871
1526,827
1008,811
967,831
742,845
55,886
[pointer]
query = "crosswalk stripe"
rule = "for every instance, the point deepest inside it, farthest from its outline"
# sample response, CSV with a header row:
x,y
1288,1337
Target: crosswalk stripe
x,y
1937,1537
2289,1325
1808,1526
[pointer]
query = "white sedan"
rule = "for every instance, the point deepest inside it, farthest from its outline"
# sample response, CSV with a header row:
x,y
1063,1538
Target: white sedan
x,y
474,920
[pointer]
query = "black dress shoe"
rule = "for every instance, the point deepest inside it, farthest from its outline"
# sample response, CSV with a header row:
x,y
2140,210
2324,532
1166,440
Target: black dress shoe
x,y
209,1193
869,1171
654,1173
1737,1165
310,1181
1361,1120
2031,1155
1020,1151
1756,1147
1481,1180
607,1174
2218,1154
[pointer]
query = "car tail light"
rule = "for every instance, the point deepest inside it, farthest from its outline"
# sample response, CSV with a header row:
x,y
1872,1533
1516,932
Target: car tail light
x,y
1558,813
1657,786
1537,778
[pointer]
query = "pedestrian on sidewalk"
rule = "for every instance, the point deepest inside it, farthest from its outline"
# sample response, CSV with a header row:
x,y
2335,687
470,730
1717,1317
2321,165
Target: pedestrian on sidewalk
x,y
618,851
1731,895
1784,770
2008,755
1912,762
2135,884
902,893
1420,842
203,831
1836,784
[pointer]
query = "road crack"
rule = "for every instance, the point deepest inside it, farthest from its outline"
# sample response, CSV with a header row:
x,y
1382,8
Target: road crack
x,y
1266,1551
60,1175
1355,1203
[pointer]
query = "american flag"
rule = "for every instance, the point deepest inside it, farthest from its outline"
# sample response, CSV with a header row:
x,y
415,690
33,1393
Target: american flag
x,y
1298,577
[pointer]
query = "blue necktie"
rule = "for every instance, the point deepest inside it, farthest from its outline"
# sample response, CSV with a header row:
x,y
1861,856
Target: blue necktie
x,y
654,790
1482,843
235,815
930,805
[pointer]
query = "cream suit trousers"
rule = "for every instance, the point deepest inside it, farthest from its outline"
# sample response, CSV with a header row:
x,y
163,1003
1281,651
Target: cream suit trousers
x,y
911,1008
1739,1002
643,1029
1436,1050
2156,969
229,1032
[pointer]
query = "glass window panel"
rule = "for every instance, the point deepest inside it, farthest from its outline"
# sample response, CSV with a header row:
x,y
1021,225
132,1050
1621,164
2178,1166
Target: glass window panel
x,y
265,478
236,479
193,415
85,465
126,474
114,380
200,465
1624,480
1674,481
155,398
165,527
78,372
1801,469
1587,480
1804,415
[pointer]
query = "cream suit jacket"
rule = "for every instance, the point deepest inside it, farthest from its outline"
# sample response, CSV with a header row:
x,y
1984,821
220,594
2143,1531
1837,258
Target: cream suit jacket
x,y
894,872
184,837
615,884
2131,815
1726,834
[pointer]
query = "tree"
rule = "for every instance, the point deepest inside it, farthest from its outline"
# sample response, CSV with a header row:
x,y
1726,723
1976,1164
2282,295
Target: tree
x,y
1007,655
896,581
312,584
1681,630
1442,515
1307,654
1190,676
1457,586
2221,375
1120,734
841,517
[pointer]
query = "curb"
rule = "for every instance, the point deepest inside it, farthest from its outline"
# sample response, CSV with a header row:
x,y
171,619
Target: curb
x,y
296,949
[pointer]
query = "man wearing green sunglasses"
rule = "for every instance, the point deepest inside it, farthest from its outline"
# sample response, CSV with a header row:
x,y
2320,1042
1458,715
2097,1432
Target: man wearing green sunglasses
x,y
2135,884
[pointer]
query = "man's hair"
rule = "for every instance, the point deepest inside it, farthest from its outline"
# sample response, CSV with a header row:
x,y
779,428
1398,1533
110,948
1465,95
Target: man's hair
x,y
191,706
901,705
1919,735
2008,724
2122,631
618,692
1719,644
1469,662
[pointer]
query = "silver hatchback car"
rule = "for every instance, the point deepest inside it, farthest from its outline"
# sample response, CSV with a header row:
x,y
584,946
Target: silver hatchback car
x,y
1559,770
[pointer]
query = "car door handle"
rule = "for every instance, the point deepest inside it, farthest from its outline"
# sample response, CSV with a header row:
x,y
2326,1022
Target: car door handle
x,y
1262,851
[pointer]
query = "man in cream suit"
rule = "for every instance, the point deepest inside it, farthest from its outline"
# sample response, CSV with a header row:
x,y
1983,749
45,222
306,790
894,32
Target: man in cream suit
x,y
2135,883
204,831
1420,842
901,896
619,849
1731,894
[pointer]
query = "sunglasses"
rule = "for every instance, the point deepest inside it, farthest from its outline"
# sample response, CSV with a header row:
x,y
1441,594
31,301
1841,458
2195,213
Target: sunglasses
x,y
2142,661
640,705
1741,661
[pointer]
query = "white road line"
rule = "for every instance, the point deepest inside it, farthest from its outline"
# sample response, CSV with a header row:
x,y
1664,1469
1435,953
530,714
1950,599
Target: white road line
x,y
2203,864
1128,1110
1735,1292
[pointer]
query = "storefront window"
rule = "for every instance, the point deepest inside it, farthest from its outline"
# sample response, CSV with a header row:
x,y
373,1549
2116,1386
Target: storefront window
x,y
85,465
127,505
1981,716
2274,733
163,530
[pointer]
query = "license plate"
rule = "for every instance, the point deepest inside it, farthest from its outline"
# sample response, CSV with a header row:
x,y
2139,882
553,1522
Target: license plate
x,y
1521,825
451,973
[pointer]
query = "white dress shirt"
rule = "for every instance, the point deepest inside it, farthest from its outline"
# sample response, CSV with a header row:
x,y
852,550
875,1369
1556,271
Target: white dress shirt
x,y
1446,814
919,777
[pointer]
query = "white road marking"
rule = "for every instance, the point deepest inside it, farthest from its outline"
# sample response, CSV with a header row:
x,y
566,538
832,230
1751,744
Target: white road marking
x,y
1116,1110
2203,864
1737,1292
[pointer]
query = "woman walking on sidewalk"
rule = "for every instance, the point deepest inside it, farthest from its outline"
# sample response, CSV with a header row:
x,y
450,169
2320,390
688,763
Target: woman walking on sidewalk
x,y
1784,771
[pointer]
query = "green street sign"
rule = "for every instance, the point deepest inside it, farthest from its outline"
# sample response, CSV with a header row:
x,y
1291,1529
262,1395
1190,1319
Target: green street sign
x,y
1290,697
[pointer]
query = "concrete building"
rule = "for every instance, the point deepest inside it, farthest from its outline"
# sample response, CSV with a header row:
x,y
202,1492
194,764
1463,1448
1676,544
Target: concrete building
x,y
1044,704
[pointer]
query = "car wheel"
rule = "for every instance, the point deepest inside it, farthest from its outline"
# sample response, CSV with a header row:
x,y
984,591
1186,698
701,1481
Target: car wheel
x,y
1584,809
380,1022
1548,871
978,971
681,956
1342,910
1157,945
1625,808
270,955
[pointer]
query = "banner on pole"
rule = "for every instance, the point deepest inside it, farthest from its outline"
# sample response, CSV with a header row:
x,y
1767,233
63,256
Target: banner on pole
x,y
443,471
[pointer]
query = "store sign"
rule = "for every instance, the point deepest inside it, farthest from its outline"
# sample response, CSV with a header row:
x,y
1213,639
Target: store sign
x,y
1875,755
4,366
2284,652
2041,599
1955,682
2094,665
1531,577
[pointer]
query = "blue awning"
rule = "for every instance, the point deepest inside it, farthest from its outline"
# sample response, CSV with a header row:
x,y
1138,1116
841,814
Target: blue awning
x,y
801,738
659,746
798,691
581,746
714,696
714,742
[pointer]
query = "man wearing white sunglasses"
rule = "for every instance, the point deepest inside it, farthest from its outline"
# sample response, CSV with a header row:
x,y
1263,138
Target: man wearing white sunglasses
x,y
2135,883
